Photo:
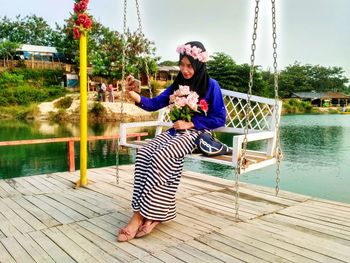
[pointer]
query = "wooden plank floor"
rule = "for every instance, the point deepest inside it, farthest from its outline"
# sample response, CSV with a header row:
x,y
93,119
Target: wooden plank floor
x,y
44,219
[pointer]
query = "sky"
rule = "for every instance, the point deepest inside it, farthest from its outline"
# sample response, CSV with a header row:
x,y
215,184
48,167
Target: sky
x,y
312,32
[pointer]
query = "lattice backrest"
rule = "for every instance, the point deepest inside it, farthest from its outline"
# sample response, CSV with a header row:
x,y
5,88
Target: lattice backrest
x,y
262,113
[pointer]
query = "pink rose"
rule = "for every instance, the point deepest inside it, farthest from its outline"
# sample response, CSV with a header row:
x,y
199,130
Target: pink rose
x,y
180,102
184,90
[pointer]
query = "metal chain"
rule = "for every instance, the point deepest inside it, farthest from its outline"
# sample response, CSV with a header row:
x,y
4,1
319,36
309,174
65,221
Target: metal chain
x,y
278,151
145,57
138,16
122,97
243,160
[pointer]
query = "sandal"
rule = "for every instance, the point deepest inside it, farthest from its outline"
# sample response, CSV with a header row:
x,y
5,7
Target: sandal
x,y
146,229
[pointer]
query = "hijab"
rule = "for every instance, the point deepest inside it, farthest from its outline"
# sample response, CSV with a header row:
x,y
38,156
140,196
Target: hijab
x,y
200,79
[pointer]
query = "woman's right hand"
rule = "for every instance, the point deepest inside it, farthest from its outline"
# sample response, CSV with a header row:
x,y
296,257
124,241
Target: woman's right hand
x,y
133,88
132,84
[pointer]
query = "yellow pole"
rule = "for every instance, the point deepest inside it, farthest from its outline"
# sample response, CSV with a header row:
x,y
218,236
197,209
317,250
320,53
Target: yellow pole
x,y
83,110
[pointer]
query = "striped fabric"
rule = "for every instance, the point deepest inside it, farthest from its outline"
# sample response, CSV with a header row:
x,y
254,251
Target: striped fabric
x,y
158,170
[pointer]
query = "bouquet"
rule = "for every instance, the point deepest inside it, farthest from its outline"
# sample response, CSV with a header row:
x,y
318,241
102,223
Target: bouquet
x,y
183,103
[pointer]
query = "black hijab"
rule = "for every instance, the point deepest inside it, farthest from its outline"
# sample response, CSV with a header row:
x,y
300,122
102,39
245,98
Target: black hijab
x,y
200,79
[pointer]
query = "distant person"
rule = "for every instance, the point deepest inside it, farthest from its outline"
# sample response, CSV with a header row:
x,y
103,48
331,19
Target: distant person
x,y
110,93
99,92
104,90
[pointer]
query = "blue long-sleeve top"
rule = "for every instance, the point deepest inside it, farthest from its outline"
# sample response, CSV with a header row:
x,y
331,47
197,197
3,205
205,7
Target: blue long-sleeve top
x,y
215,117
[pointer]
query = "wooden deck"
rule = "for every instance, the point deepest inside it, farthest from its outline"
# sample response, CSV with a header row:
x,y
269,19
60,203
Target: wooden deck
x,y
43,219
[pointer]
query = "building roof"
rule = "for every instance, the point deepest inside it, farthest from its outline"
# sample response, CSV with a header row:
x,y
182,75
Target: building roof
x,y
168,68
33,48
319,95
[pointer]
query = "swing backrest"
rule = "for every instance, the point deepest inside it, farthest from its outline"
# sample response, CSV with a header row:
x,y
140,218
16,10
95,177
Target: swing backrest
x,y
263,114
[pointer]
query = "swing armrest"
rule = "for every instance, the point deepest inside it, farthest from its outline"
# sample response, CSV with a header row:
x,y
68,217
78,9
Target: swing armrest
x,y
237,143
124,126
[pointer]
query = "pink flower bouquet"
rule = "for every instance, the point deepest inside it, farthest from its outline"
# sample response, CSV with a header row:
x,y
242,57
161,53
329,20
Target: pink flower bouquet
x,y
184,103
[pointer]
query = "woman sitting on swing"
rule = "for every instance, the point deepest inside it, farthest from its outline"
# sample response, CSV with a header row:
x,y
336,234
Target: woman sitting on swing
x,y
159,164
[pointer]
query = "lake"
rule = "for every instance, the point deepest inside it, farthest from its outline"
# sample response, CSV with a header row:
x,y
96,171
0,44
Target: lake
x,y
316,151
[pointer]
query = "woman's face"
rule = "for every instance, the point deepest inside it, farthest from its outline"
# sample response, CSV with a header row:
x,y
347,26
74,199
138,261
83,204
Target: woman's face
x,y
186,68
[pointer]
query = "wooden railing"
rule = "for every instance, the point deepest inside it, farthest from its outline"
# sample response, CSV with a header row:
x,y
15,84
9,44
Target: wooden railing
x,y
37,64
70,141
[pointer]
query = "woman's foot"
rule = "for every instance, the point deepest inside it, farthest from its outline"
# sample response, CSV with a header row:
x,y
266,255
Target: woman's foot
x,y
130,230
146,228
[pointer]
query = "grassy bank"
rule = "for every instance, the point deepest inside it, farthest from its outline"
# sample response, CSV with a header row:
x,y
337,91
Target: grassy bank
x,y
295,106
22,89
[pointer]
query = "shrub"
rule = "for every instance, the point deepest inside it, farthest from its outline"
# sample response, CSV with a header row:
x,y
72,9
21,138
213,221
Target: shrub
x,y
59,116
64,103
98,110
8,80
297,106
41,77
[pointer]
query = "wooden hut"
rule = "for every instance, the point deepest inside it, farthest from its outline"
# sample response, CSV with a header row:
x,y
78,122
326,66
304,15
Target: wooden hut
x,y
323,99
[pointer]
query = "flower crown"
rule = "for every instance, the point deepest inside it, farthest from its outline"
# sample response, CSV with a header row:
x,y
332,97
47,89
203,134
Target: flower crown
x,y
194,52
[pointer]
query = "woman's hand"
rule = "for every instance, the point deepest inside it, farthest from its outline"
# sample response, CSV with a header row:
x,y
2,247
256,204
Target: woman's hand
x,y
132,84
133,87
183,125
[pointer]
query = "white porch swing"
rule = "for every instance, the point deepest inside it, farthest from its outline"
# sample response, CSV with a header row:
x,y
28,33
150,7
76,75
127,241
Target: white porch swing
x,y
249,118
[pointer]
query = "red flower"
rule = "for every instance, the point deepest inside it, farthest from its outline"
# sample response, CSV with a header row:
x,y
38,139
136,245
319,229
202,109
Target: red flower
x,y
76,33
87,23
203,105
82,20
80,7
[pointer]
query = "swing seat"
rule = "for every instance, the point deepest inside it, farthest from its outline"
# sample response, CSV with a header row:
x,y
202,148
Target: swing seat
x,y
263,116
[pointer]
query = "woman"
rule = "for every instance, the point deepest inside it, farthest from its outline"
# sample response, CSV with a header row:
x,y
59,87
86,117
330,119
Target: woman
x,y
158,166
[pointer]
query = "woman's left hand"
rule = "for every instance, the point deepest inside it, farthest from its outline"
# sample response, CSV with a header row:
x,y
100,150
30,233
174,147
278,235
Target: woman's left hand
x,y
182,125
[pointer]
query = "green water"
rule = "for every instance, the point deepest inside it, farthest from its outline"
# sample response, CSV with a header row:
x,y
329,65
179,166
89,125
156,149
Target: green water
x,y
316,154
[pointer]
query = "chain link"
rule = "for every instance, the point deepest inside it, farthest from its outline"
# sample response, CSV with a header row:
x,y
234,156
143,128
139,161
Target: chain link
x,y
122,97
278,151
144,55
138,16
243,159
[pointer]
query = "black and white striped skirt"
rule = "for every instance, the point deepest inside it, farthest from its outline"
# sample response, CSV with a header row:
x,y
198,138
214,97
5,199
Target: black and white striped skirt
x,y
158,170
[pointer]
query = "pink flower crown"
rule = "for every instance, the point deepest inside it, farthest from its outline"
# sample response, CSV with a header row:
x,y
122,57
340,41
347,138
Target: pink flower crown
x,y
194,52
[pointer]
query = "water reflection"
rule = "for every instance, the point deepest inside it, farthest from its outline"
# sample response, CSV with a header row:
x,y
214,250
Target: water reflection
x,y
316,154
26,160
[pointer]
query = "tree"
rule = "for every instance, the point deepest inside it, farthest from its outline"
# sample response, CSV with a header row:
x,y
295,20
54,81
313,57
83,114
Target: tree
x,y
169,63
105,50
236,77
223,68
7,49
31,30
306,78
